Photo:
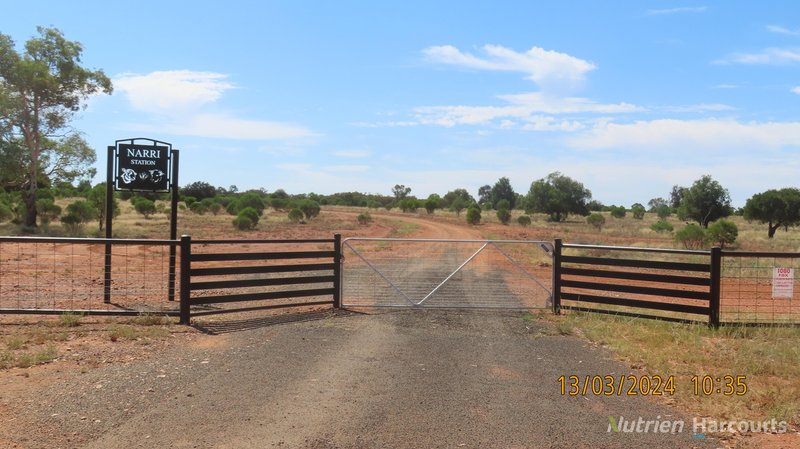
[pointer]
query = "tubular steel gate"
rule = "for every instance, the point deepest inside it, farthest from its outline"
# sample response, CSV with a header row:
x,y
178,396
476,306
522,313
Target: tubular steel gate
x,y
424,273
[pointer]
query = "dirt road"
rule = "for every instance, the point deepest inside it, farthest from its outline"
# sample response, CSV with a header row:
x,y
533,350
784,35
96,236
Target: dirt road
x,y
418,379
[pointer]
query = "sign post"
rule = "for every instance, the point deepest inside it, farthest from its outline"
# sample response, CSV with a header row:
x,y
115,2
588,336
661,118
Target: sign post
x,y
142,165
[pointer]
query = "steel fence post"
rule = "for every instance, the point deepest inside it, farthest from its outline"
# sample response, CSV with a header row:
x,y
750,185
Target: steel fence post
x,y
557,276
714,292
186,265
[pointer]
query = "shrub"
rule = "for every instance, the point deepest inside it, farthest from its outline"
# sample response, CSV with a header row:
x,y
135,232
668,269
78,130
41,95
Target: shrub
x,y
364,218
638,211
72,222
48,210
661,226
83,210
663,211
617,211
524,220
243,223
5,213
296,215
309,208
474,214
691,236
596,220
188,200
145,207
198,208
723,232
504,216
250,213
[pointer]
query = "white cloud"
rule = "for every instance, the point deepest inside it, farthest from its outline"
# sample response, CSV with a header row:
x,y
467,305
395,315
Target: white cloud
x,y
796,90
347,168
390,124
680,10
221,126
355,154
701,107
781,30
172,90
690,135
547,68
527,108
769,56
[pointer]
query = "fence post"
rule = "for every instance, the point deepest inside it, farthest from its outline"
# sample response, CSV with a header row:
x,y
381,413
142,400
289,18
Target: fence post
x,y
186,265
557,277
716,275
337,271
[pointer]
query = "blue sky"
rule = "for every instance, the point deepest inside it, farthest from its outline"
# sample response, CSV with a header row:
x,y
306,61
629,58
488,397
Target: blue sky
x,y
629,98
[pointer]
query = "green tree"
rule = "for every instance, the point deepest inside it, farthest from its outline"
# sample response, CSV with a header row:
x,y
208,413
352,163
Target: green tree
x,y
661,226
200,190
723,232
474,214
400,192
40,91
81,211
706,201
432,203
617,211
451,196
458,205
638,211
774,207
654,203
691,236
97,198
663,211
597,220
485,195
524,220
144,206
295,215
503,214
558,195
309,208
502,190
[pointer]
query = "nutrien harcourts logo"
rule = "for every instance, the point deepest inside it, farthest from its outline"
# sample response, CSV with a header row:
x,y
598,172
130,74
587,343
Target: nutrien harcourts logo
x,y
700,426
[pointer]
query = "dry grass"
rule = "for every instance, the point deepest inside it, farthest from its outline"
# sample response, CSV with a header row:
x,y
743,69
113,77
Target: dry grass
x,y
767,356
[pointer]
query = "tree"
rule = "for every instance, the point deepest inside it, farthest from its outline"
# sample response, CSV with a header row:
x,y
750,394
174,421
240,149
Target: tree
x,y
474,214
309,208
485,195
400,192
524,220
676,196
654,203
706,201
776,208
97,198
451,196
617,211
663,211
597,220
40,91
691,236
502,190
432,203
200,190
503,213
144,206
458,205
558,195
296,215
723,232
638,211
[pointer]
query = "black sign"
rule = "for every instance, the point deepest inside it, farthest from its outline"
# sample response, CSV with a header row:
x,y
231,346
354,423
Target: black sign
x,y
142,167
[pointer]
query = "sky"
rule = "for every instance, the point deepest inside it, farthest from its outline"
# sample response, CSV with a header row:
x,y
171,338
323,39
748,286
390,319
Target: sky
x,y
627,97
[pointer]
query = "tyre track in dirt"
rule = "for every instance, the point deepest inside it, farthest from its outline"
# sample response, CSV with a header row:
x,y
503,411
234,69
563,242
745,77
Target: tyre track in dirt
x,y
416,379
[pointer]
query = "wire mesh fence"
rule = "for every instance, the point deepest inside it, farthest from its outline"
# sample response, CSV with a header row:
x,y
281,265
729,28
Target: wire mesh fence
x,y
446,273
40,275
760,288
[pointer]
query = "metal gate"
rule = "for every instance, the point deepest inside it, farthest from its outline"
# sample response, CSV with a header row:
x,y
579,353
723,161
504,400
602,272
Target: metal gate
x,y
507,274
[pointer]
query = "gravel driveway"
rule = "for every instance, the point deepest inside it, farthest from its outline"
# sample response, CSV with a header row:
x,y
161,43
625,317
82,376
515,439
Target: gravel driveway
x,y
411,379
